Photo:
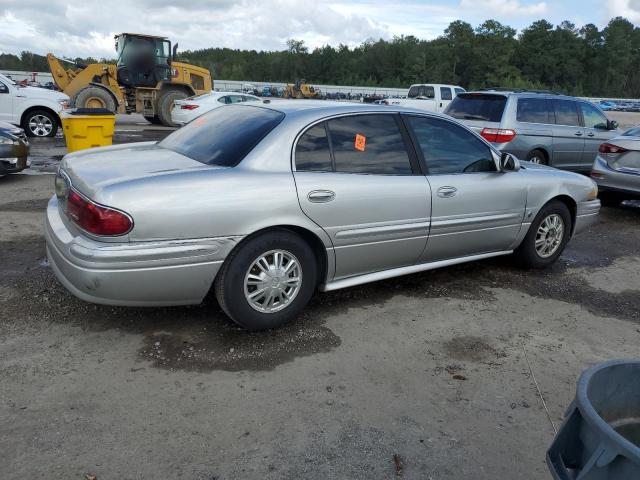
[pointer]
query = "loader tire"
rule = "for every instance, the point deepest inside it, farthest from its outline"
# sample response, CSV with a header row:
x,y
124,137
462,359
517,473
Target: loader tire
x,y
165,105
95,97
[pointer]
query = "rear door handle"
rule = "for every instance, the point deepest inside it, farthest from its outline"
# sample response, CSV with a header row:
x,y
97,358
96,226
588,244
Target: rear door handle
x,y
446,192
321,196
591,134
578,134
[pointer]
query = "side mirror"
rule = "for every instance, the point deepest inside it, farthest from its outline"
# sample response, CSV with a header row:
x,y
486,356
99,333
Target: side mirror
x,y
3,88
612,125
508,163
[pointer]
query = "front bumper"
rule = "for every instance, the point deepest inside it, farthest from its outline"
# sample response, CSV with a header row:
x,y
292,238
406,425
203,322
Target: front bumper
x,y
158,273
14,158
586,215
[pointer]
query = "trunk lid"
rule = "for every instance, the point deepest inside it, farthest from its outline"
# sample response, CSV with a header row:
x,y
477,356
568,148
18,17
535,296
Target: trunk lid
x,y
91,171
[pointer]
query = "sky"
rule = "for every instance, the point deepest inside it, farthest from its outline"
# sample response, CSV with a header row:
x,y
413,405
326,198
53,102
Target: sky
x,y
83,28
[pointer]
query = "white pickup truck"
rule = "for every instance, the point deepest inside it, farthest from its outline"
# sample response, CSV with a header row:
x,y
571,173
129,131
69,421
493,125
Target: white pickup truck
x,y
35,109
428,96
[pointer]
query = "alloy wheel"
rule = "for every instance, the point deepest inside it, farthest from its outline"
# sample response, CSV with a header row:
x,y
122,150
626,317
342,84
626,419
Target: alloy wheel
x,y
549,235
40,125
273,281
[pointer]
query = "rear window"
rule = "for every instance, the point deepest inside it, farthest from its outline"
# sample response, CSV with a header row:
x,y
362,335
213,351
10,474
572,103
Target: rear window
x,y
223,136
473,106
421,91
535,110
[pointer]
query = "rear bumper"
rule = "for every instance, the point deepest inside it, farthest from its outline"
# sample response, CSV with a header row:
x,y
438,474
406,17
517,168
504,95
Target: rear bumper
x,y
586,215
160,273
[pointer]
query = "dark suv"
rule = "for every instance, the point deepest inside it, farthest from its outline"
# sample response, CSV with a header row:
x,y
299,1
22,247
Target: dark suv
x,y
538,126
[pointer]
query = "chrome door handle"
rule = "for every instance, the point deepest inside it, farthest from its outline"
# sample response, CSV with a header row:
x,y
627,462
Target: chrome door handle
x,y
321,196
578,134
446,192
591,134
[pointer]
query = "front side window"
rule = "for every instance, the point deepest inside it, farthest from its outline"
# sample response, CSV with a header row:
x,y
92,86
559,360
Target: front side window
x,y
251,99
566,113
534,110
223,136
235,99
370,144
223,99
312,150
593,118
449,148
445,93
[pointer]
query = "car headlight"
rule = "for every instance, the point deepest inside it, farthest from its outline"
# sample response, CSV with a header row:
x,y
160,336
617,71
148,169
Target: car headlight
x,y
7,141
593,194
64,103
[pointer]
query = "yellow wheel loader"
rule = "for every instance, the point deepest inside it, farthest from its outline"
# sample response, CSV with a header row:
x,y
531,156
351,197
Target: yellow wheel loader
x,y
146,79
301,90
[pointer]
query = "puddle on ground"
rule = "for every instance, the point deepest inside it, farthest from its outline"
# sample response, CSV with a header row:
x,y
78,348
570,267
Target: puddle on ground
x,y
471,348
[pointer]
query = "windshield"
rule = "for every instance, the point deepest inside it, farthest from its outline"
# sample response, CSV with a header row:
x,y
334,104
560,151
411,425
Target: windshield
x,y
474,106
224,136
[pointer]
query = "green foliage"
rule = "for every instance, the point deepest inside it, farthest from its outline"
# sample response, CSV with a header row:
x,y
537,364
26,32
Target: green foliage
x,y
583,61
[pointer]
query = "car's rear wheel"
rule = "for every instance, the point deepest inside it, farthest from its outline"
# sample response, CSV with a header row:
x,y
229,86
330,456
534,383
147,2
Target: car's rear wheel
x,y
537,156
547,236
267,281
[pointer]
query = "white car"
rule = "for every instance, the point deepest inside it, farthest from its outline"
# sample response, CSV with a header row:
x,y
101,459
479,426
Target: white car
x,y
186,110
35,109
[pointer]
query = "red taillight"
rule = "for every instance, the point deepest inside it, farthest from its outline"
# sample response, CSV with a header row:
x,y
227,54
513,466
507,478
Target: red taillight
x,y
609,148
94,218
189,106
498,135
596,175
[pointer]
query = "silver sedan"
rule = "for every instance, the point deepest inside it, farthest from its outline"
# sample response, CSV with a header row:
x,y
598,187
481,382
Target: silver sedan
x,y
265,204
616,169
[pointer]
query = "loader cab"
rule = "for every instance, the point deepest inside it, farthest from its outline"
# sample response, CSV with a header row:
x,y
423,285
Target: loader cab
x,y
143,60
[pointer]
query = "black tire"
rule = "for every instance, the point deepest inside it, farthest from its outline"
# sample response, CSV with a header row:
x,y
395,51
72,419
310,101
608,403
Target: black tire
x,y
610,199
537,156
229,285
95,97
165,104
33,123
153,120
526,253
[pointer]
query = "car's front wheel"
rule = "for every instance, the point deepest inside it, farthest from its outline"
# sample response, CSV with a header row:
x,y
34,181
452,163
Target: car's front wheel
x,y
547,236
40,123
267,281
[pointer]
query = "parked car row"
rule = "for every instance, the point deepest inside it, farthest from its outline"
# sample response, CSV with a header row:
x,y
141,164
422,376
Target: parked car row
x,y
619,105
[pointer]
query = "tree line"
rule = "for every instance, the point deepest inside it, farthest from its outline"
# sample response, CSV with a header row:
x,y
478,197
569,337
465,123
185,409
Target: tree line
x,y
578,61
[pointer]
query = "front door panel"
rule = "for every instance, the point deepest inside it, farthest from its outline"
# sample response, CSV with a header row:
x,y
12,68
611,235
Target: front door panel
x,y
474,213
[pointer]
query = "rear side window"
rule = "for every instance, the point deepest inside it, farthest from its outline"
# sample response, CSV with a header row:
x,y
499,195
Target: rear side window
x,y
224,136
312,151
459,91
473,106
566,113
449,148
535,110
369,144
445,93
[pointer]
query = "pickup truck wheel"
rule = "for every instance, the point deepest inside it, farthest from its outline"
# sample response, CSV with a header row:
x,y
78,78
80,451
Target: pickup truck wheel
x,y
165,105
40,123
267,281
547,236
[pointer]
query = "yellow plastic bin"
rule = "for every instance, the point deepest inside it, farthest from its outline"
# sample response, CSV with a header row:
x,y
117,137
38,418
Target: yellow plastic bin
x,y
87,127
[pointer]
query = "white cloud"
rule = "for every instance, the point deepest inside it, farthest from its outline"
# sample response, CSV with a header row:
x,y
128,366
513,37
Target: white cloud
x,y
86,28
630,9
504,8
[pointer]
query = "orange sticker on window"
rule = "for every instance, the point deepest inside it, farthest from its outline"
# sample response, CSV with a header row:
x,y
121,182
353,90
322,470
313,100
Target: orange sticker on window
x,y
361,142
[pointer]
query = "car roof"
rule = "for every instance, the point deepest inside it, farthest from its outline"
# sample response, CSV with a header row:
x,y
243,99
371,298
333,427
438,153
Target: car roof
x,y
521,93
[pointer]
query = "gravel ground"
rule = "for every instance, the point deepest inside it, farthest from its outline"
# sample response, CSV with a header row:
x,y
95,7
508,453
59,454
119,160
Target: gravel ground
x,y
420,377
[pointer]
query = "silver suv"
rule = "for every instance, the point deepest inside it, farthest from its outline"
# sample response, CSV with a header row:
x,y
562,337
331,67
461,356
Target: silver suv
x,y
538,126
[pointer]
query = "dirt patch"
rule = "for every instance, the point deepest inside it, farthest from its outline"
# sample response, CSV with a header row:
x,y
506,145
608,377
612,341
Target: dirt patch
x,y
34,205
470,348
